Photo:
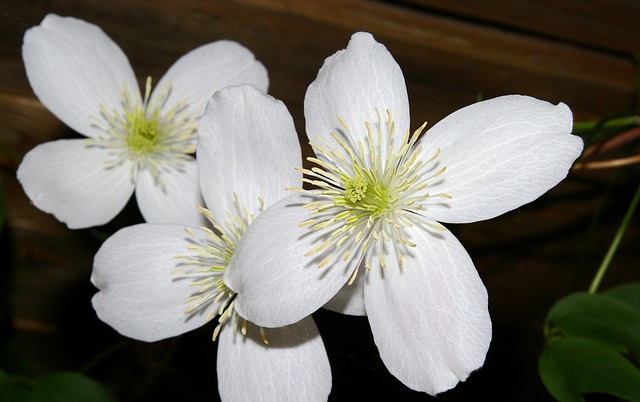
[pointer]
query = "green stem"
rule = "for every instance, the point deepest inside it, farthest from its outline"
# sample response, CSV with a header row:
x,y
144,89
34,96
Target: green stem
x,y
618,122
615,243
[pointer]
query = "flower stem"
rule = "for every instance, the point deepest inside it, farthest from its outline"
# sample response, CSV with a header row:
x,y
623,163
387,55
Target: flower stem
x,y
616,122
615,243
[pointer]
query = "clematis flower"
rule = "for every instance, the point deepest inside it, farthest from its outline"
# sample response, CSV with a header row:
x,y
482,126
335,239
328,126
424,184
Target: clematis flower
x,y
371,222
161,280
142,142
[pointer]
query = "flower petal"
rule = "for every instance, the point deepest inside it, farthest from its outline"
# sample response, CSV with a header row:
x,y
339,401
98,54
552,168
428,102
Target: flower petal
x,y
247,146
195,76
138,294
173,201
350,299
73,68
429,318
353,84
499,154
69,179
293,367
276,283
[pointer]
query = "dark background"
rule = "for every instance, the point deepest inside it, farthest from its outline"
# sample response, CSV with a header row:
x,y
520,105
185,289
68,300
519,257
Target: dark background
x,y
452,53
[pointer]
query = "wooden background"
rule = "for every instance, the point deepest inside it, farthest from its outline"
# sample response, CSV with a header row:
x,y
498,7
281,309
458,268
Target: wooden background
x,y
583,53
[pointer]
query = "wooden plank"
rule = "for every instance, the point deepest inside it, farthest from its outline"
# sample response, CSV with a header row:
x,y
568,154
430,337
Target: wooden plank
x,y
611,25
446,62
474,41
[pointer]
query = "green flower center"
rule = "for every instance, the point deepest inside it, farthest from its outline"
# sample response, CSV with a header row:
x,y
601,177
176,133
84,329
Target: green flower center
x,y
368,194
149,132
355,189
143,132
365,192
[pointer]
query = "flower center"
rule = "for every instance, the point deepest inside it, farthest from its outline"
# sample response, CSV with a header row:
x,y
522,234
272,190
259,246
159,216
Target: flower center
x,y
369,194
210,252
364,191
355,189
143,132
147,132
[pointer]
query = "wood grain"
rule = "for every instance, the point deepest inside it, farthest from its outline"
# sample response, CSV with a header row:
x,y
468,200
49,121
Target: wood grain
x,y
452,53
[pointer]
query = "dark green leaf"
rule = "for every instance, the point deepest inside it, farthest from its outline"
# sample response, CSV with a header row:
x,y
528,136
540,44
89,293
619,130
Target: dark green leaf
x,y
570,367
68,387
628,293
14,388
599,317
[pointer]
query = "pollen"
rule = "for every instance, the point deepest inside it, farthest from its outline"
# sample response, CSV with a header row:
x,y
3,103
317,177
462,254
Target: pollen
x,y
369,192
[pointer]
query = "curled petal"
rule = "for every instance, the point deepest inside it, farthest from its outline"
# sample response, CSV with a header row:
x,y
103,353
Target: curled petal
x,y
249,147
499,154
70,180
293,367
200,73
353,84
276,283
138,294
73,68
429,317
172,197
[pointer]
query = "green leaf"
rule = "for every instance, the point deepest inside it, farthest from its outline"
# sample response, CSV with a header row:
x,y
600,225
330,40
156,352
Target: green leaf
x,y
628,293
598,317
570,367
14,388
68,387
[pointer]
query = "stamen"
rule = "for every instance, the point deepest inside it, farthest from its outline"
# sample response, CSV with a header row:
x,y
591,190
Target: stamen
x,y
263,336
210,251
368,193
147,133
353,276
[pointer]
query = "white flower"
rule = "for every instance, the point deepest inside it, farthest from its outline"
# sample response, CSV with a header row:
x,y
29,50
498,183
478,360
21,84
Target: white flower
x,y
374,215
161,280
135,142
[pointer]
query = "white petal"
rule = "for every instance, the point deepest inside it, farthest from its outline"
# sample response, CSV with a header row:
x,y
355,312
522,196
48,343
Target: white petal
x,y
352,84
276,284
174,202
70,180
197,75
138,294
73,68
293,367
429,318
350,299
247,146
499,154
